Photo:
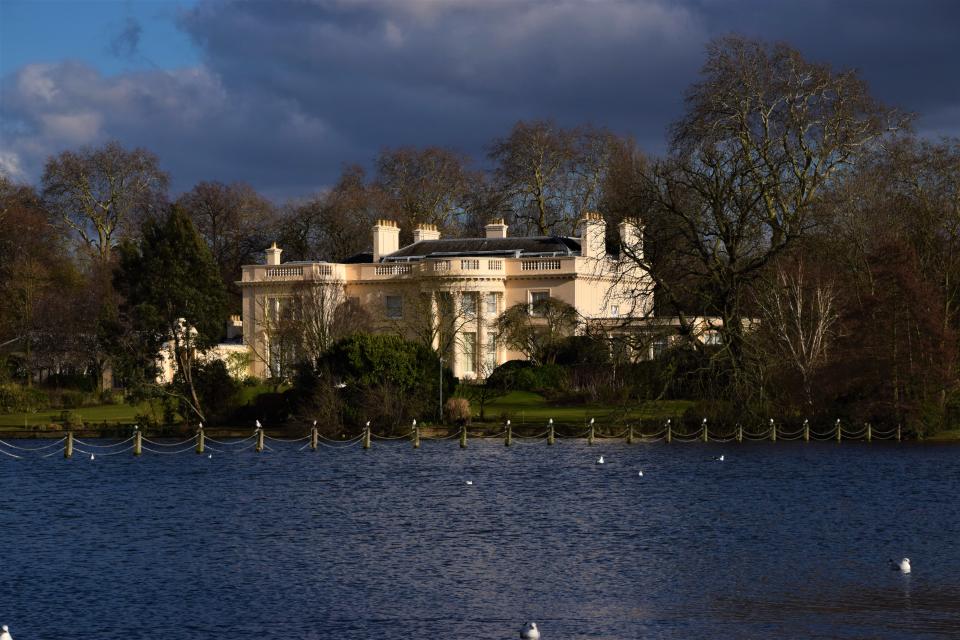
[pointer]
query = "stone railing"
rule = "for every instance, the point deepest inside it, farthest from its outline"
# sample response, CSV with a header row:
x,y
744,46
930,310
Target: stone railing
x,y
283,273
392,269
539,265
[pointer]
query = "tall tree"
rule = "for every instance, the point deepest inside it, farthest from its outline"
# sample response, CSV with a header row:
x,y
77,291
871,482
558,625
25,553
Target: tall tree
x,y
765,133
430,185
173,293
235,221
101,193
37,284
333,225
551,175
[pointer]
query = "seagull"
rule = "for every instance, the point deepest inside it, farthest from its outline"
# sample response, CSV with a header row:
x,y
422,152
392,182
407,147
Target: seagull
x,y
599,461
5,633
640,473
719,458
93,457
903,566
530,632
209,456
470,482
259,426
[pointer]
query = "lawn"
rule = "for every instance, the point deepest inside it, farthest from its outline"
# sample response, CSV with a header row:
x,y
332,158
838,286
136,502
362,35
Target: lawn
x,y
109,413
530,408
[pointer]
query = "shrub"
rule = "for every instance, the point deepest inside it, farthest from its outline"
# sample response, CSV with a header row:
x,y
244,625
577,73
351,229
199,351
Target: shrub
x,y
520,375
457,410
381,378
16,399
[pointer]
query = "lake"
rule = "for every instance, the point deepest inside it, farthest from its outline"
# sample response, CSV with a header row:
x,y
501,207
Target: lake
x,y
781,540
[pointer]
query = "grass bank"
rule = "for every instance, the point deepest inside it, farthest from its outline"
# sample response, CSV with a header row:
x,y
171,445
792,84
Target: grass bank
x,y
523,408
96,414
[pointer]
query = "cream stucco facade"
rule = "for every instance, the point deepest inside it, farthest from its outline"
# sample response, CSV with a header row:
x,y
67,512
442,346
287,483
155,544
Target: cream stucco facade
x,y
450,291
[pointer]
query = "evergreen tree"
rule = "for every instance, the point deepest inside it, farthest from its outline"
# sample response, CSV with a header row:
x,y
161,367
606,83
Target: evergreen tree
x,y
173,294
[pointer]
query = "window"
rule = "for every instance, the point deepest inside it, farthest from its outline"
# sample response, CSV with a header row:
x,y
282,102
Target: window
x,y
491,304
490,354
537,297
712,337
468,304
469,352
659,347
393,306
614,311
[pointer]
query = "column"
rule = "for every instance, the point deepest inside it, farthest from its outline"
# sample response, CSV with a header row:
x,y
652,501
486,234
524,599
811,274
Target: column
x,y
481,354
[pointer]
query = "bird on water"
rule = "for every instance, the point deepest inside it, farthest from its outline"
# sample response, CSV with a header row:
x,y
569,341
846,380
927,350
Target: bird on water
x,y
530,632
903,566
719,458
5,633
600,460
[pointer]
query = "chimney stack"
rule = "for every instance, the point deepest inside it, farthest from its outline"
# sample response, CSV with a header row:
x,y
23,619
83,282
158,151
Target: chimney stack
x,y
273,254
593,243
386,239
631,237
496,229
424,231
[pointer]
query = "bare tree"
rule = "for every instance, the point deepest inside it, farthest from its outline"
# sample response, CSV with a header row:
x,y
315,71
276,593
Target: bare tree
x,y
100,193
235,221
435,319
335,224
300,324
550,175
798,319
765,133
430,185
536,330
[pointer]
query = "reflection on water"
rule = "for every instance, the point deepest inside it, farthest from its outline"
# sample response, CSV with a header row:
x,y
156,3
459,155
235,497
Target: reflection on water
x,y
778,541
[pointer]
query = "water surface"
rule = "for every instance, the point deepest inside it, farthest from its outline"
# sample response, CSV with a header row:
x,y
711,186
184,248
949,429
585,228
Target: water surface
x,y
780,540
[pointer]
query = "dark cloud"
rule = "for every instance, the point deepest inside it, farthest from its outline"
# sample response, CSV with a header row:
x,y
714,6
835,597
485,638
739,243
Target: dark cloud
x,y
290,91
126,42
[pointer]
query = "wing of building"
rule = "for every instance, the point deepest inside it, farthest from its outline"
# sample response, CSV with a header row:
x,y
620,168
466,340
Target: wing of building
x,y
446,292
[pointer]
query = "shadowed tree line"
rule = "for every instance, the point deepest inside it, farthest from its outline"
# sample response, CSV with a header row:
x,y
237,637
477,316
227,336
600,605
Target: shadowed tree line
x,y
791,207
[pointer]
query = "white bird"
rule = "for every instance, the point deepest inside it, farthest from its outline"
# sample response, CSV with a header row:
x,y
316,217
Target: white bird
x,y
209,456
93,457
470,482
530,632
600,460
259,426
5,633
640,473
719,458
903,566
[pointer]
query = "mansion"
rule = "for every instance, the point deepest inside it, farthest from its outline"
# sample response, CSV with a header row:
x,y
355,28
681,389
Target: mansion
x,y
449,292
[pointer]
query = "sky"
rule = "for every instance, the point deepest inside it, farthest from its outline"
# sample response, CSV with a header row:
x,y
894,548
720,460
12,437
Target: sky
x,y
283,94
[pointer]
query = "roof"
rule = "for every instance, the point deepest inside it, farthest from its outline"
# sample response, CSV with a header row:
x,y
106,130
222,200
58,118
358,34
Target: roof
x,y
358,258
537,245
